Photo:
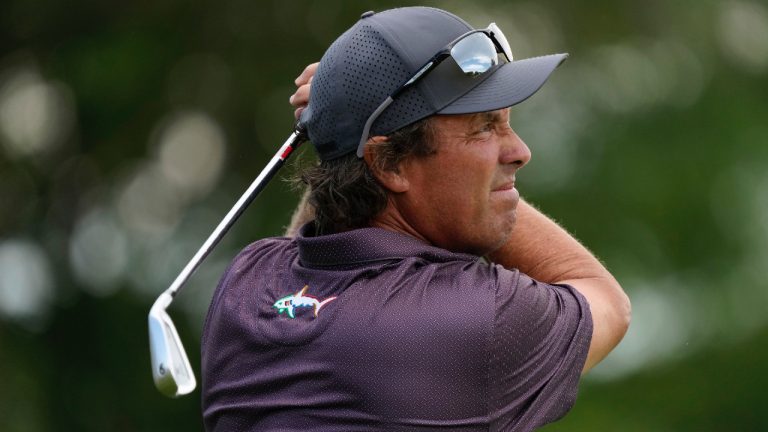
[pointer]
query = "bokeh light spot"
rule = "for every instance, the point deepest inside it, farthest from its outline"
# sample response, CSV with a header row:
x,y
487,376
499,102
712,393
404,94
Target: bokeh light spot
x,y
191,152
743,34
35,115
26,283
148,205
98,252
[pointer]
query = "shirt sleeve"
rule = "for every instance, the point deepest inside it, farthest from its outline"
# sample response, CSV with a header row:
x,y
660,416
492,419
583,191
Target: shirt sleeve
x,y
541,337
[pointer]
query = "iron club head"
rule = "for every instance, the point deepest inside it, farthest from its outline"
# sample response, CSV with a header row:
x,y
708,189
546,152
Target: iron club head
x,y
171,370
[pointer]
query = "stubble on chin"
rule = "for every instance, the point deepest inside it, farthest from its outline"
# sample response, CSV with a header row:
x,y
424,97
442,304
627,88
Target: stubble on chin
x,y
503,235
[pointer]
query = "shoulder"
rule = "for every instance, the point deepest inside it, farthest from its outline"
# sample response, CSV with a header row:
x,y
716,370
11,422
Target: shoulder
x,y
530,313
270,249
240,273
513,285
254,259
456,273
540,340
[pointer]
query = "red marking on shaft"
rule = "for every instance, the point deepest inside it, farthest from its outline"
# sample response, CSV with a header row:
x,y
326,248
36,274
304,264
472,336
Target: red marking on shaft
x,y
286,152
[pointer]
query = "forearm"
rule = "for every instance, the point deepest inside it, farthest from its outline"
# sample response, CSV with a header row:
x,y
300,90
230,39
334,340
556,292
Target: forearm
x,y
543,250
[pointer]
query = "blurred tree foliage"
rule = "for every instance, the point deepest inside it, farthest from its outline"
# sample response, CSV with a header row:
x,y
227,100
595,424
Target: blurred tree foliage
x,y
649,144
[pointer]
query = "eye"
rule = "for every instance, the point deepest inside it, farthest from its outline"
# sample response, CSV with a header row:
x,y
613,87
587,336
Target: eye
x,y
484,128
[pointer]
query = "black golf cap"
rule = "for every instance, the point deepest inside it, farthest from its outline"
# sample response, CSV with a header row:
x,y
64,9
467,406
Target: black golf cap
x,y
379,53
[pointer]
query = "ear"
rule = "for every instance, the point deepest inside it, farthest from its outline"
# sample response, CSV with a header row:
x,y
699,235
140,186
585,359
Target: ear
x,y
392,180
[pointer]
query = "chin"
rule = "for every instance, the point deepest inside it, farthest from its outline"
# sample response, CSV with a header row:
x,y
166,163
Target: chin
x,y
481,242
502,236
492,243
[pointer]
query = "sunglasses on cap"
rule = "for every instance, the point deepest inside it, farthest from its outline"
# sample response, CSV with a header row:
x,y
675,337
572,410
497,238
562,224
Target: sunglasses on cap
x,y
475,52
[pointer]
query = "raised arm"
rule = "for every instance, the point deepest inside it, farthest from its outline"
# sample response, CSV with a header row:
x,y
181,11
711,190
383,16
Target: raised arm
x,y
544,251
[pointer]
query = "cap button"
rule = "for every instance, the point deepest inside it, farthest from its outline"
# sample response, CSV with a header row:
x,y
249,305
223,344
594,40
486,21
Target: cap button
x,y
367,14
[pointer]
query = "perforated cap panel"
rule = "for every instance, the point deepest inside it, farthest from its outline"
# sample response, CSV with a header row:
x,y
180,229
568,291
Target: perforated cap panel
x,y
342,101
357,73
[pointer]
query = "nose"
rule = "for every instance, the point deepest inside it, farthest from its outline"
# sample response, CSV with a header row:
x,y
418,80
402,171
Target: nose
x,y
513,150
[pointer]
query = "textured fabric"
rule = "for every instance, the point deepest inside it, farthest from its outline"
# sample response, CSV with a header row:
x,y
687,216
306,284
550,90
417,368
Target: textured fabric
x,y
407,337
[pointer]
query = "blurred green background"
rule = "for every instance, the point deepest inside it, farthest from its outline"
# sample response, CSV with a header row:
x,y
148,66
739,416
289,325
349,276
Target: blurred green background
x,y
128,129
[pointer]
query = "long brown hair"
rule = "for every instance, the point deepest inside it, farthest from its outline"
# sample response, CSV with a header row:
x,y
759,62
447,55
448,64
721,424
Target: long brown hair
x,y
345,194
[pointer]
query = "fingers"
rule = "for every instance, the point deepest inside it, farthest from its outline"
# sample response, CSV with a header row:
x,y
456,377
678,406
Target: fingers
x,y
306,75
300,99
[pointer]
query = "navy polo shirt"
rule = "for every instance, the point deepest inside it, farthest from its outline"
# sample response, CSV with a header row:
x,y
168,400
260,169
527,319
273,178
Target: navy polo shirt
x,y
372,330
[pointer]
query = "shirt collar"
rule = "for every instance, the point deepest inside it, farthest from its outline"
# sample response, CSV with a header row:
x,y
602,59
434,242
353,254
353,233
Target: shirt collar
x,y
366,245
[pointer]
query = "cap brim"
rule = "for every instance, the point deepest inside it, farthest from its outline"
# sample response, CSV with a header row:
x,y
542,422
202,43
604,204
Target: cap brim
x,y
511,84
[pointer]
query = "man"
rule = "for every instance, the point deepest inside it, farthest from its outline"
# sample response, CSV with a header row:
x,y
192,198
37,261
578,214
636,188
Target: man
x,y
384,312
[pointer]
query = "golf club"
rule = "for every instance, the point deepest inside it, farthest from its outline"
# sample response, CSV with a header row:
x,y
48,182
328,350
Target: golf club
x,y
171,370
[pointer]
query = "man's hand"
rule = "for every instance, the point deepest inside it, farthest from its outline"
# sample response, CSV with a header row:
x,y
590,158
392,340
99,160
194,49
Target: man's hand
x,y
300,99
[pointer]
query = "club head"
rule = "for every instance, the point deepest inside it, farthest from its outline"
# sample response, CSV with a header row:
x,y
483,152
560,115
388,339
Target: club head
x,y
171,370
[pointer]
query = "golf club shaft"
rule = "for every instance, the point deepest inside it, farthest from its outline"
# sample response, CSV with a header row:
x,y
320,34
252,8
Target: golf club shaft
x,y
292,143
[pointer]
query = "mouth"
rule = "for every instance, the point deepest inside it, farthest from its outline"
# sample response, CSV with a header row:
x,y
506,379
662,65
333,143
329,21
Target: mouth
x,y
506,186
506,191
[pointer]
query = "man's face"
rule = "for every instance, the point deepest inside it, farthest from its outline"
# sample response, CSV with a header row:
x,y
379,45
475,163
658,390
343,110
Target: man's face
x,y
463,198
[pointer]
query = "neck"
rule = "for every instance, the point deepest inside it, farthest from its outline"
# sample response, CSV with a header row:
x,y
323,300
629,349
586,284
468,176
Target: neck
x,y
391,219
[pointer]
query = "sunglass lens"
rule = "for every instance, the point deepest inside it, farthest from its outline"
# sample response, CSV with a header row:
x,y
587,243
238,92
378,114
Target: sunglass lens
x,y
475,54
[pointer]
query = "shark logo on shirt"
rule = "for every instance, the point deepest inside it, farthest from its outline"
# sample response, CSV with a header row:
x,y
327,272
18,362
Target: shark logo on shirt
x,y
289,303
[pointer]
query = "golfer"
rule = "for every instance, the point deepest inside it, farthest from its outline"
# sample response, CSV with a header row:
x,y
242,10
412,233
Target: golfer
x,y
422,293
